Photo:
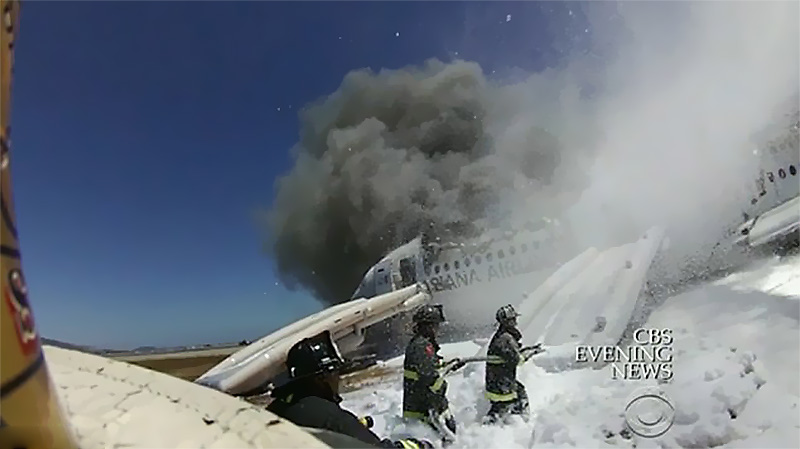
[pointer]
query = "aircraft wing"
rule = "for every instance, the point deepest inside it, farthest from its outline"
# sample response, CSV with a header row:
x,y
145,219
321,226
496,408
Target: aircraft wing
x,y
115,404
249,369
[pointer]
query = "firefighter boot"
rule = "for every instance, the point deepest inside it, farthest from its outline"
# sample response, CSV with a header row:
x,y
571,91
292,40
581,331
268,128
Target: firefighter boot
x,y
445,424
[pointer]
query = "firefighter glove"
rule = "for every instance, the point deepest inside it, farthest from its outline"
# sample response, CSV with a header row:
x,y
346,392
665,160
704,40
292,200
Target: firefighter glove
x,y
414,443
367,421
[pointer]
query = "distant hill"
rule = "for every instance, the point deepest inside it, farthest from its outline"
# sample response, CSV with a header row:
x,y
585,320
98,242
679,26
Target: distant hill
x,y
82,348
146,349
139,350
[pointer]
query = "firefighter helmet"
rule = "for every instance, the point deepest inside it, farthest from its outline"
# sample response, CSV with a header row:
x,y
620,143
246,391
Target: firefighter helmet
x,y
314,355
506,314
429,314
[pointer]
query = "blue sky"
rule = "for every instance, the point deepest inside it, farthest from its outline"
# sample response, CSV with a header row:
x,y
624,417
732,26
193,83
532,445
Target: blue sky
x,y
145,134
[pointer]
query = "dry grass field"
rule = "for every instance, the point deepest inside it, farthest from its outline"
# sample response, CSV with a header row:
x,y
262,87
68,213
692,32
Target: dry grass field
x,y
189,365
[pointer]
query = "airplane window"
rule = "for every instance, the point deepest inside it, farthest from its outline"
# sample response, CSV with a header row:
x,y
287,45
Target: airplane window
x,y
792,170
455,265
488,257
500,254
466,261
446,266
512,250
771,177
478,260
524,247
782,173
436,269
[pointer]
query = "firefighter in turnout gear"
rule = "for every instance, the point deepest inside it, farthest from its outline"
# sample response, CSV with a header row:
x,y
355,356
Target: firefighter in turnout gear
x,y
311,398
424,386
505,393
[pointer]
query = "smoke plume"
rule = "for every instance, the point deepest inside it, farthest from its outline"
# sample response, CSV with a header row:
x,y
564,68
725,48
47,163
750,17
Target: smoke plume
x,y
660,132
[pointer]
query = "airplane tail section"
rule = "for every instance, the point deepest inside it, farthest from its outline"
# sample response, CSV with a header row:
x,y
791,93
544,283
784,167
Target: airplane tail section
x,y
597,308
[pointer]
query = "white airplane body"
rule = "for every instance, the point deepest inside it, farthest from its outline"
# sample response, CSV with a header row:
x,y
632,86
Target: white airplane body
x,y
468,277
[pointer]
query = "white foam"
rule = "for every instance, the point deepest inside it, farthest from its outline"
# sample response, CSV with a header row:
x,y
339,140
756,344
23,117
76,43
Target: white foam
x,y
737,353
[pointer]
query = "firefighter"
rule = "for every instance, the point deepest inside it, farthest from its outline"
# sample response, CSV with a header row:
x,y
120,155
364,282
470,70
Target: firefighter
x,y
424,387
505,393
311,398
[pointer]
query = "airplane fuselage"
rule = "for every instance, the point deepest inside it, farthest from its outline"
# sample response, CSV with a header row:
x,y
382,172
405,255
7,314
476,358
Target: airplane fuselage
x,y
471,279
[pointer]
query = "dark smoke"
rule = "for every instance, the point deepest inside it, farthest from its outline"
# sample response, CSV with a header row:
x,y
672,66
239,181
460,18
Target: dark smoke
x,y
390,155
659,133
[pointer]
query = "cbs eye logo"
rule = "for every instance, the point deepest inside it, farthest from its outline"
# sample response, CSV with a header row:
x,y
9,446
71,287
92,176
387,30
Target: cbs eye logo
x,y
649,413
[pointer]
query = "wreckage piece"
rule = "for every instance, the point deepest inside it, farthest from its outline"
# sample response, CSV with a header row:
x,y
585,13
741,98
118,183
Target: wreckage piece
x,y
249,369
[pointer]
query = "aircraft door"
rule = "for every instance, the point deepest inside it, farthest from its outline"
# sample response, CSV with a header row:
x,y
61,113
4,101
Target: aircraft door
x,y
383,279
408,272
